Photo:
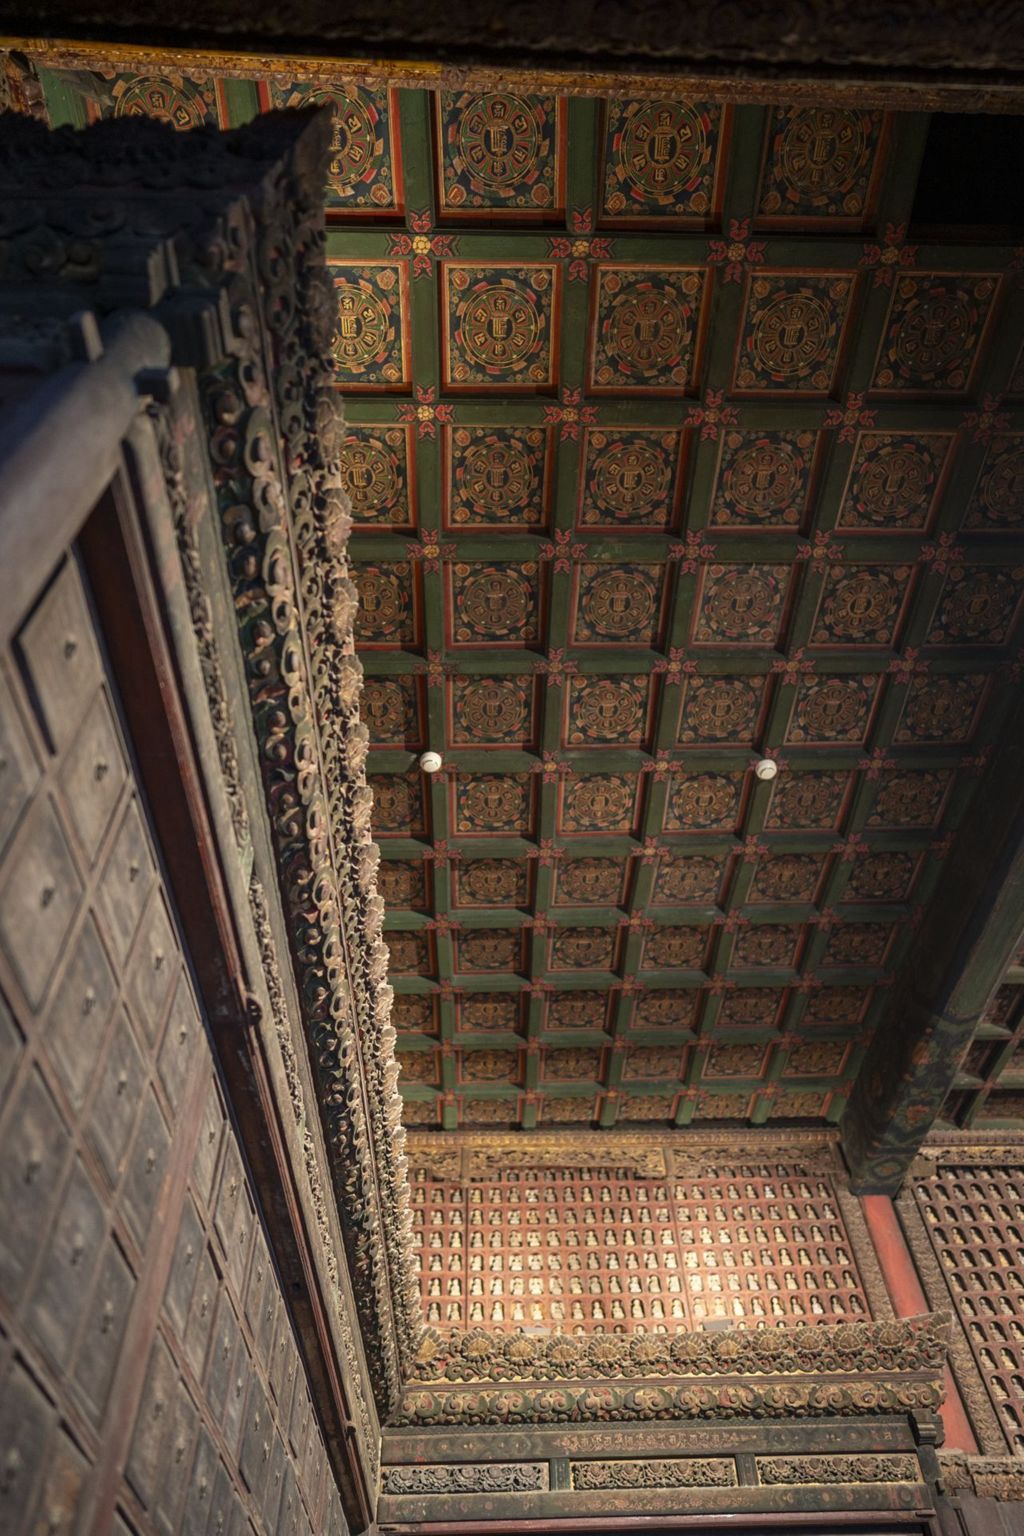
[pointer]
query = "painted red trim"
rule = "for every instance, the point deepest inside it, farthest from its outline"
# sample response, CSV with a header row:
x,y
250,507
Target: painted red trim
x,y
909,1300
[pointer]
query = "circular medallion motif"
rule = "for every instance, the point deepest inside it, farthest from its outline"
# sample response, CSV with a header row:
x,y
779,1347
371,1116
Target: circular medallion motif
x,y
486,1010
660,1010
354,141
807,800
499,141
395,805
493,804
836,1005
577,1010
978,608
493,603
631,480
364,332
582,948
739,604
895,483
647,329
786,877
499,326
720,709
881,877
674,948
663,149
619,604
607,710
417,1066
862,606
383,604
935,333
492,709
387,710
599,804
764,478
1001,493
822,149
401,885
411,1010
694,879
407,952
370,478
154,96
491,881
708,800
489,1066
941,709
497,478
590,880
909,800
790,335
489,950
751,1007
834,709
765,944
858,944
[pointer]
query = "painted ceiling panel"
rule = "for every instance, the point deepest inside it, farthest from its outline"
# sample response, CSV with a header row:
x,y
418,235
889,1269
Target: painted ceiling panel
x,y
669,448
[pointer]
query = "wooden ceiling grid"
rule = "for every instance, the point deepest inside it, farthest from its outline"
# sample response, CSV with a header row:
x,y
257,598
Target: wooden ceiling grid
x,y
669,449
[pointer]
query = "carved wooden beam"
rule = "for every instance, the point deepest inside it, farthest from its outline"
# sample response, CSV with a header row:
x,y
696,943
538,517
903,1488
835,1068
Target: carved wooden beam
x,y
920,53
958,957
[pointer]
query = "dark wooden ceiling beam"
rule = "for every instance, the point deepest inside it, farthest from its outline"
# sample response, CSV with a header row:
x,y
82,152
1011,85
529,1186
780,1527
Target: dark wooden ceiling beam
x,y
920,52
959,955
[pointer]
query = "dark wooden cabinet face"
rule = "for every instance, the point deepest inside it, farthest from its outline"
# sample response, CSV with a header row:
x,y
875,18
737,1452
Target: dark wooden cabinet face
x,y
133,1266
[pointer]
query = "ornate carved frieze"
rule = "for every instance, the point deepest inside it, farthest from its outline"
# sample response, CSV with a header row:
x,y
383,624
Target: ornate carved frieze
x,y
840,1348
650,1155
837,1469
481,1477
660,1472
987,1477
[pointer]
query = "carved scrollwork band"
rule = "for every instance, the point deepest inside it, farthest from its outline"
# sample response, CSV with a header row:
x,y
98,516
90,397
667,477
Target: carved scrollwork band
x,y
468,1154
660,1472
837,1469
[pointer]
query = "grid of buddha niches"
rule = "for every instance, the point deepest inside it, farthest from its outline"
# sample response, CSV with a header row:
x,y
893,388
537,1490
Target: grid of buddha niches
x,y
607,1251
975,1220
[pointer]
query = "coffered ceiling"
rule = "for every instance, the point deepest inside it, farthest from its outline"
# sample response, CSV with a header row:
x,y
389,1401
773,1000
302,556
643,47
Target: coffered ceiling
x,y
671,446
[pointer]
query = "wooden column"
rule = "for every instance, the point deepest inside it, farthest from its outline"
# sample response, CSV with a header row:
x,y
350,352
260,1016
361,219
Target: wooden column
x,y
908,1300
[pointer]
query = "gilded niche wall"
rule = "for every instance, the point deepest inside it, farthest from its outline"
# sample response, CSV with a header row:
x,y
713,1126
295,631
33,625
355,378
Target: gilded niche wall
x,y
664,1240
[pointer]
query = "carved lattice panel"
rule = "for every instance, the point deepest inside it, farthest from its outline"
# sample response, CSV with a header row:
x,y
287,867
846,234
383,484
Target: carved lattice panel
x,y
603,1250
974,1217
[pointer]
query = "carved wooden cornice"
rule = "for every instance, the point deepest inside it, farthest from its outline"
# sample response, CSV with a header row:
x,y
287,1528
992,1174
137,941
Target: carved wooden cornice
x,y
968,1149
919,61
986,1477
649,1154
831,1369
